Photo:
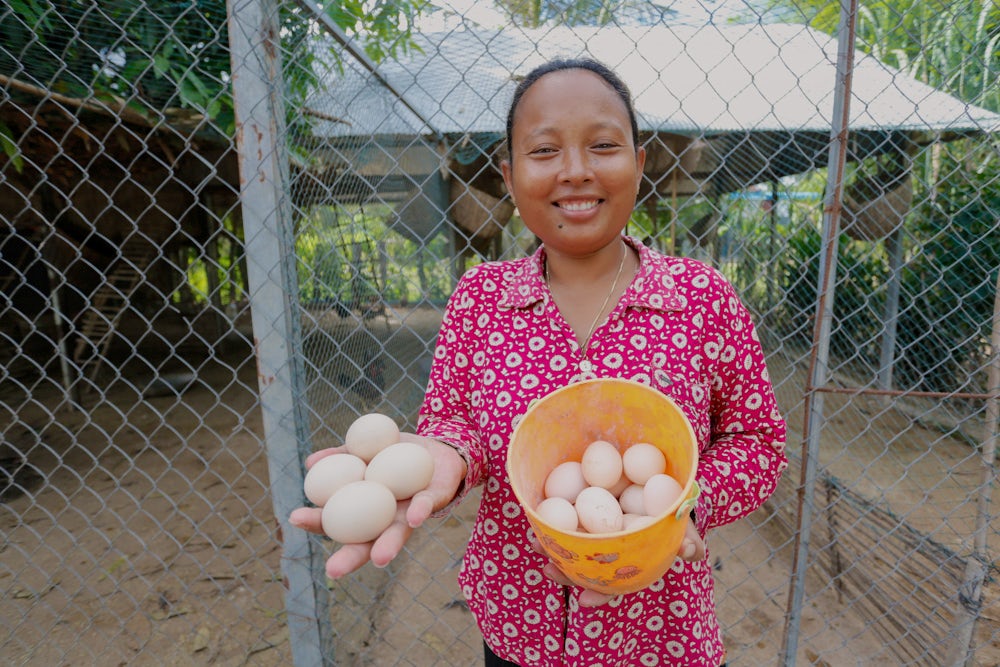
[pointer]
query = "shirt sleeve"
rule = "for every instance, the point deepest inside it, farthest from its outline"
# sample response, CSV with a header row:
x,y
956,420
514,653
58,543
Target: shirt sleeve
x,y
741,467
446,411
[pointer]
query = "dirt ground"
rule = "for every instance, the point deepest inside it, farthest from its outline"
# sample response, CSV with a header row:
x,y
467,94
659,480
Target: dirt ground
x,y
147,534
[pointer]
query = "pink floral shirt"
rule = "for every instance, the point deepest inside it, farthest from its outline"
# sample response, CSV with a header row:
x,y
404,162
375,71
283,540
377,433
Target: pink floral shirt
x,y
679,327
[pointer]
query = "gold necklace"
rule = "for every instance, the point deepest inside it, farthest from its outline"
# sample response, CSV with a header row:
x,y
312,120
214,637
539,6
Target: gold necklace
x,y
585,364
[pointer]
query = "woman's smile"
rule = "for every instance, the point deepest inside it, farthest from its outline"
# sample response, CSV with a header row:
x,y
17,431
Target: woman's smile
x,y
586,205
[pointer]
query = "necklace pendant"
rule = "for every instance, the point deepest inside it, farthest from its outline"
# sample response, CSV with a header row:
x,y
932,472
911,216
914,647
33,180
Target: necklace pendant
x,y
586,366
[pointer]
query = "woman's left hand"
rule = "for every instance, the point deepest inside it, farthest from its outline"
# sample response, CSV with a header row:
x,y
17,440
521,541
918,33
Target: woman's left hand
x,y
692,549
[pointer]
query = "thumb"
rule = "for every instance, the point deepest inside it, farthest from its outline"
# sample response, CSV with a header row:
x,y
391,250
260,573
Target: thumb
x,y
420,509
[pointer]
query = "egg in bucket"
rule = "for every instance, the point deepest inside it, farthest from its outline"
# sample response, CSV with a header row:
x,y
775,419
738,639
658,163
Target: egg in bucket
x,y
558,428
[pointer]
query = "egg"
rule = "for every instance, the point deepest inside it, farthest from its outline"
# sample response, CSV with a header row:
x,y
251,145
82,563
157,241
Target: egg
x,y
632,501
358,512
659,493
599,511
327,475
637,521
620,486
369,434
565,481
558,513
404,467
643,460
602,464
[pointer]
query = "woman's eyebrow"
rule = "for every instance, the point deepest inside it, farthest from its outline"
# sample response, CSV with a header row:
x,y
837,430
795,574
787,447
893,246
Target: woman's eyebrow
x,y
552,129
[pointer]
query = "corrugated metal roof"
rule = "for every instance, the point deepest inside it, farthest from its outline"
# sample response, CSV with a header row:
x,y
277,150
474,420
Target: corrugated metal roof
x,y
688,80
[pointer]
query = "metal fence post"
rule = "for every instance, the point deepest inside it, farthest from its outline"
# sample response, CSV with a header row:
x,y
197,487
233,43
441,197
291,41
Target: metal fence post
x,y
820,356
267,222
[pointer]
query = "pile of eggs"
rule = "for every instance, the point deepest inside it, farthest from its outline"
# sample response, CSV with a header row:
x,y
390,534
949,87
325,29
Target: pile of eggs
x,y
608,491
359,490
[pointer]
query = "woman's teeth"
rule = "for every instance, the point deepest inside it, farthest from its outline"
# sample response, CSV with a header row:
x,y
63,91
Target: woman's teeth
x,y
578,205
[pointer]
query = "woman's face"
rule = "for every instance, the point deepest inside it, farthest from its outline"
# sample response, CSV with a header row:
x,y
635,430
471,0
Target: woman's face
x,y
574,171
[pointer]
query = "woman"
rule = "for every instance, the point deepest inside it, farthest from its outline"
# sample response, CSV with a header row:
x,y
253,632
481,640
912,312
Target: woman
x,y
589,303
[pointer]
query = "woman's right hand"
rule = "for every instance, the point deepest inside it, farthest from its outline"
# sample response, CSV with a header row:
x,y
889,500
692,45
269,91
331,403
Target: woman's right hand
x,y
449,473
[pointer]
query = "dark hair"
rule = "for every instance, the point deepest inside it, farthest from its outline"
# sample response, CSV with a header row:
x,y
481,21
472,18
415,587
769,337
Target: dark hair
x,y
559,65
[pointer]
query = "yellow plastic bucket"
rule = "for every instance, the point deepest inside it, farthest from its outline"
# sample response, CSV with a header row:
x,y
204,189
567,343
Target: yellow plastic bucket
x,y
557,429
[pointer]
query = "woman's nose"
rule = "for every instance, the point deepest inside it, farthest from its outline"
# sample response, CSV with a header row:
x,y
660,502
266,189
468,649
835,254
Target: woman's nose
x,y
575,165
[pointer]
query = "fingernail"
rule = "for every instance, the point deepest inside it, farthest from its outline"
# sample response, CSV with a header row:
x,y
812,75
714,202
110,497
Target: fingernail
x,y
295,518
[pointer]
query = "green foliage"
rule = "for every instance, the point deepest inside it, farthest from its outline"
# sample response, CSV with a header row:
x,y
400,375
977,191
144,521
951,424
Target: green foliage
x,y
953,46
748,239
944,328
947,289
385,26
352,256
228,275
10,147
859,295
953,238
151,55
161,54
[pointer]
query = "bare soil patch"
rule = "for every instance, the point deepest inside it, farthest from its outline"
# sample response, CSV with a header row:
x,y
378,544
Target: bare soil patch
x,y
146,534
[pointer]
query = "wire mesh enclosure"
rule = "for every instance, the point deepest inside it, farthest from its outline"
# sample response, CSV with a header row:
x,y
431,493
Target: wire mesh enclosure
x,y
229,229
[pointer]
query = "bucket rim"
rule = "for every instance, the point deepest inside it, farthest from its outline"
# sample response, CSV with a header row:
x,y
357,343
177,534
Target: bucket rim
x,y
690,489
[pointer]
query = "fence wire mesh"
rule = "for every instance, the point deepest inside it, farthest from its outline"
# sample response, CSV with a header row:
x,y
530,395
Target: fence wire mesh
x,y
176,334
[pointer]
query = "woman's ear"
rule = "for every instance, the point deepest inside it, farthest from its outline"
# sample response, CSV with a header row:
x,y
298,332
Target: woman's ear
x,y
508,180
640,163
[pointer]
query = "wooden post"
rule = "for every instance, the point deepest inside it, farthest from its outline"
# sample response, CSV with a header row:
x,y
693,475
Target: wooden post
x,y
970,594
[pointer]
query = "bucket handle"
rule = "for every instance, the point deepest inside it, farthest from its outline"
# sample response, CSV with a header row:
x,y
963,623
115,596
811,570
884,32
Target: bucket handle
x,y
688,505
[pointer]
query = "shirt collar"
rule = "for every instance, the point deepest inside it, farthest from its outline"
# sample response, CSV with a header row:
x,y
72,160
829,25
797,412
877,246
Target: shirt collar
x,y
652,288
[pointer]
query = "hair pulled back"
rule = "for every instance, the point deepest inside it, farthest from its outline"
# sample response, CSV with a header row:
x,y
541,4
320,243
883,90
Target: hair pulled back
x,y
559,65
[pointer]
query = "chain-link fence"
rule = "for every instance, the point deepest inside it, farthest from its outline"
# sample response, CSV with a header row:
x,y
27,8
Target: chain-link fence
x,y
228,231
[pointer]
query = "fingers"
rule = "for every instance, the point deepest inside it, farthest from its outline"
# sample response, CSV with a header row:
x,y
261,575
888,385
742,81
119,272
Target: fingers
x,y
347,559
692,546
388,545
552,571
352,557
449,473
450,470
692,549
420,509
322,454
307,518
589,598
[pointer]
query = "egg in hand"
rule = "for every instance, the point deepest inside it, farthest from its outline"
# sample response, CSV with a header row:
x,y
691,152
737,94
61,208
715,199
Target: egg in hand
x,y
359,490
359,512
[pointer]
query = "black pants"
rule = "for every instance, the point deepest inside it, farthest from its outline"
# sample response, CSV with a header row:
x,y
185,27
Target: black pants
x,y
493,661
